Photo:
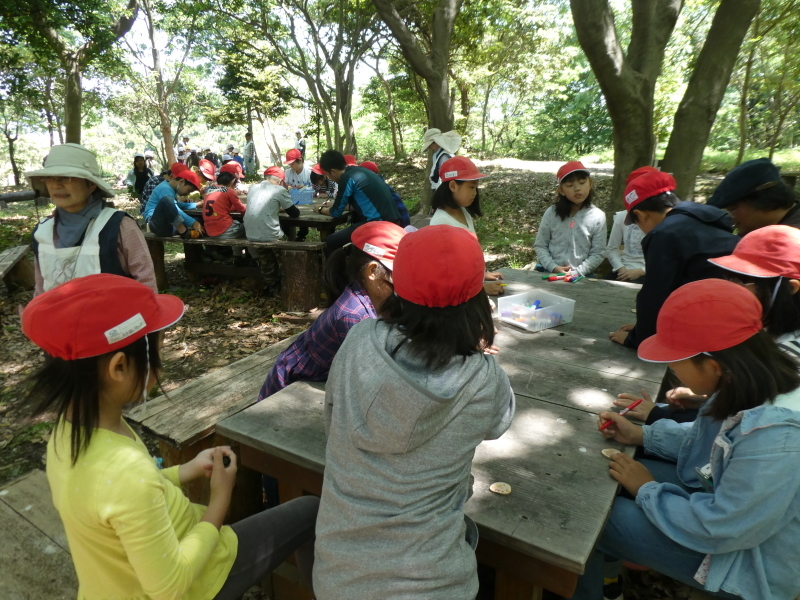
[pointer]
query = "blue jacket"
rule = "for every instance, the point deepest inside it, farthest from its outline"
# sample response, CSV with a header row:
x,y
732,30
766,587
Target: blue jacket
x,y
676,252
164,190
750,523
367,194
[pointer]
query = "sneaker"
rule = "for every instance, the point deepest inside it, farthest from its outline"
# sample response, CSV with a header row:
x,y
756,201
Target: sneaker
x,y
612,589
190,234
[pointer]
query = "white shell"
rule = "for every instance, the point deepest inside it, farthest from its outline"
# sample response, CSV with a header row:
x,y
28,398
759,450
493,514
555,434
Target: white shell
x,y
500,488
609,452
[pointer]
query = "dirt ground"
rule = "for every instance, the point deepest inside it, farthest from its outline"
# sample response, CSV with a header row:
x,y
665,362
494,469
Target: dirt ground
x,y
228,320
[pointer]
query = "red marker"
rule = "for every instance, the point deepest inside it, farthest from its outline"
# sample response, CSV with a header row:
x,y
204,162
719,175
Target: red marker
x,y
622,413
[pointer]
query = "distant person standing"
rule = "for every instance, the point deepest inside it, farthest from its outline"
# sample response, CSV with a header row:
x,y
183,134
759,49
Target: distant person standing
x,y
300,144
237,157
212,157
444,146
181,149
250,156
150,160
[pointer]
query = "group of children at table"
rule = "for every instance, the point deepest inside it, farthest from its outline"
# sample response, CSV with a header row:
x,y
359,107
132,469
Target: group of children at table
x,y
411,394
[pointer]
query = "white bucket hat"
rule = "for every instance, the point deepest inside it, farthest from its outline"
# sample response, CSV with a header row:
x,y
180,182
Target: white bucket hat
x,y
450,141
68,160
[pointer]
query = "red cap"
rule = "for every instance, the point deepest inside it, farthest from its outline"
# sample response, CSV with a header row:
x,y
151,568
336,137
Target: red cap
x,y
234,168
275,172
772,251
92,315
190,177
639,172
368,164
176,168
317,169
646,186
702,316
350,160
459,168
293,155
379,239
570,167
208,169
439,265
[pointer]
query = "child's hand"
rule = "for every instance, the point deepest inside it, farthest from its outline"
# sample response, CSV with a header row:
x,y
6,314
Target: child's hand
x,y
629,473
683,398
222,477
641,412
624,274
492,276
493,288
491,349
198,227
564,270
200,466
621,430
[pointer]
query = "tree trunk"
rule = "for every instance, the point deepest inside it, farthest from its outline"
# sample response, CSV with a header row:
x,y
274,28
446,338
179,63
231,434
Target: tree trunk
x,y
485,114
12,155
73,99
748,70
701,101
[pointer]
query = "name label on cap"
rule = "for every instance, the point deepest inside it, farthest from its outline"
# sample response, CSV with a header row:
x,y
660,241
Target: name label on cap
x,y
128,328
631,196
370,249
449,174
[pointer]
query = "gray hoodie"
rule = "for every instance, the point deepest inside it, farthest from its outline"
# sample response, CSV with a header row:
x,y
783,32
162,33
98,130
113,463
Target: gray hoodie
x,y
401,439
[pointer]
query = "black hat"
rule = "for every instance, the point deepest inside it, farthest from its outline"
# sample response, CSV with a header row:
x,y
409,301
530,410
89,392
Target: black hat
x,y
748,177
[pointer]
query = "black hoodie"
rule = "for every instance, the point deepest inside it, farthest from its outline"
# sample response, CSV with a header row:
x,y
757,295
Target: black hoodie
x,y
676,252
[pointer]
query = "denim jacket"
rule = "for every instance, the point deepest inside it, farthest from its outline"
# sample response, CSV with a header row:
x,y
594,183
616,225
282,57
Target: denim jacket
x,y
749,526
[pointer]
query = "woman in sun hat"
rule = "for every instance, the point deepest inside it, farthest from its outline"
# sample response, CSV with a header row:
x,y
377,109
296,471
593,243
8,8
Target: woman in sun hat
x,y
83,236
444,146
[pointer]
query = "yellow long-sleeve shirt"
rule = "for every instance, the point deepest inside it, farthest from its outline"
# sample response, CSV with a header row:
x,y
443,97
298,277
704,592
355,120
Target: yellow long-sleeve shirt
x,y
132,532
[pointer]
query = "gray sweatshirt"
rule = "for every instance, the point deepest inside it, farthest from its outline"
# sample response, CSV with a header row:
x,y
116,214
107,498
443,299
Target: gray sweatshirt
x,y
401,439
578,241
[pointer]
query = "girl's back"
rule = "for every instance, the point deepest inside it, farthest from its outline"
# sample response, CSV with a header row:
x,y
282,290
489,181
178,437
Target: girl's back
x,y
400,446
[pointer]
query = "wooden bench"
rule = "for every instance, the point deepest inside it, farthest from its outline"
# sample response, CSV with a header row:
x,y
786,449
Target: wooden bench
x,y
301,265
16,269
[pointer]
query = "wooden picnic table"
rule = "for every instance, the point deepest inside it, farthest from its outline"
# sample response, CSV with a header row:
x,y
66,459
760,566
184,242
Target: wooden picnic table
x,y
543,533
309,217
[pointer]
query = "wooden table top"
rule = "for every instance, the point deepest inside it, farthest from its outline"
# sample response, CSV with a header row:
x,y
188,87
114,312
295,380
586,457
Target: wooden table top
x,y
309,217
561,491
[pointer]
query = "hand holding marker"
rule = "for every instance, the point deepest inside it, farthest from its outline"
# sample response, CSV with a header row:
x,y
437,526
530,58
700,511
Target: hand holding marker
x,y
622,413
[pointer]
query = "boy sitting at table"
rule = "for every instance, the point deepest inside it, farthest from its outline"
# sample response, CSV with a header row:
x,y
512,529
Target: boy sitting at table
x,y
220,201
265,200
679,239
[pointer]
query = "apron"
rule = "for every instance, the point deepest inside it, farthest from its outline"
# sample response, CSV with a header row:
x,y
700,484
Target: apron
x,y
59,265
436,180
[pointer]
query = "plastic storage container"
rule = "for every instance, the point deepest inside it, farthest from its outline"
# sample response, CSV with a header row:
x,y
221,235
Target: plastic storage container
x,y
521,310
302,196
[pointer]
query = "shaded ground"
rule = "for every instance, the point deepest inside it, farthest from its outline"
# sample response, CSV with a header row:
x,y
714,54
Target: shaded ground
x,y
227,320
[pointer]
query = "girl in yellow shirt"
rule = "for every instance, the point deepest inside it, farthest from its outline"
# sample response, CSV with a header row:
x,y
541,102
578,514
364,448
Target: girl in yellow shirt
x,y
132,532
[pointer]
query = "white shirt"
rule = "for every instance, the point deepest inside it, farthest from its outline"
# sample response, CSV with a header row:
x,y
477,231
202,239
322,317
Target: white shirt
x,y
628,236
302,179
442,217
578,241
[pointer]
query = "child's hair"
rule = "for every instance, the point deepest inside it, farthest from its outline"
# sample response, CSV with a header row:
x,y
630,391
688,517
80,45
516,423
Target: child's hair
x,y
60,384
439,334
332,159
778,196
563,205
144,163
167,172
781,315
343,267
659,203
225,178
317,179
443,197
754,372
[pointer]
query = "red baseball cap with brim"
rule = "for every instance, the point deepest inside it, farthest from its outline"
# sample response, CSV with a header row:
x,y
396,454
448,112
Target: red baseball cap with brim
x,y
772,251
702,316
368,164
459,168
380,240
639,172
350,160
438,266
646,186
275,172
208,169
317,169
234,168
569,168
293,155
93,315
190,177
177,167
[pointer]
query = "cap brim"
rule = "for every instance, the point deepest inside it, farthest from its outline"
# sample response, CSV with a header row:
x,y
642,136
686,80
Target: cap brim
x,y
654,350
628,220
565,175
171,309
389,264
742,267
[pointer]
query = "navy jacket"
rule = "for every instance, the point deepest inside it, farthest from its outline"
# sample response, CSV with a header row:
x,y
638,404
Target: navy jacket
x,y
368,196
676,252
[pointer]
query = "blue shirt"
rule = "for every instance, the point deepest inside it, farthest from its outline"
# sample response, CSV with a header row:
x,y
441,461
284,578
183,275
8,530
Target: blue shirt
x,y
367,194
165,191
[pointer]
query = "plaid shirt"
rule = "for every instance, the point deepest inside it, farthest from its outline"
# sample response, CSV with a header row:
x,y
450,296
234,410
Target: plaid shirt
x,y
311,355
148,188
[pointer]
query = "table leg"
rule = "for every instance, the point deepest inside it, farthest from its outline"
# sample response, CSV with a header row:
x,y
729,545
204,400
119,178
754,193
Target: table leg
x,y
325,231
508,587
157,255
193,255
290,231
